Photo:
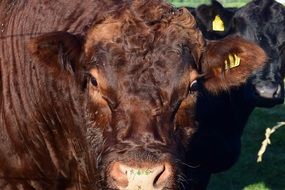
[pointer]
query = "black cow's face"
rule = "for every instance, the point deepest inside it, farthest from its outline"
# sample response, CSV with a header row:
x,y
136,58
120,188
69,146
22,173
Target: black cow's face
x,y
265,27
140,68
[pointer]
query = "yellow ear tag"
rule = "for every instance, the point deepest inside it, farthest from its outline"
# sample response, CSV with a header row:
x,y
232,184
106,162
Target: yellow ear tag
x,y
232,62
218,24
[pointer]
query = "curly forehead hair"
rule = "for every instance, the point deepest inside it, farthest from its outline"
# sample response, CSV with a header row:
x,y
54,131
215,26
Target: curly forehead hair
x,y
148,36
141,24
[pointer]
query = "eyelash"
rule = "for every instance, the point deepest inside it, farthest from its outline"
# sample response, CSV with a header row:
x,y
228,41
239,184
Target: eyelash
x,y
93,81
194,86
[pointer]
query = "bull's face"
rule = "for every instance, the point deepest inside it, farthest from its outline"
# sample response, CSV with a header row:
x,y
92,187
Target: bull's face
x,y
143,80
266,85
141,70
144,104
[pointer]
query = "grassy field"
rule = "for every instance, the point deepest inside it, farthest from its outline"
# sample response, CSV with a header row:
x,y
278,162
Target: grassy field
x,y
195,3
247,174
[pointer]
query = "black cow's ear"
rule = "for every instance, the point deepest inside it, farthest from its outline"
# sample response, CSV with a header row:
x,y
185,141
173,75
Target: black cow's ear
x,y
60,52
216,4
229,62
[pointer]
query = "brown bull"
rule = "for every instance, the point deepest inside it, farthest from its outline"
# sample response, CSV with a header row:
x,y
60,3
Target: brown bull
x,y
108,102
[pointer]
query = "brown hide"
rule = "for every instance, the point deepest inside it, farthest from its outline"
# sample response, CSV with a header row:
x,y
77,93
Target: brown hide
x,y
41,146
115,89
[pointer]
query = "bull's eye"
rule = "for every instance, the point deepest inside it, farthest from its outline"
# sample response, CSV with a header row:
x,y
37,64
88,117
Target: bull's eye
x,y
93,81
194,86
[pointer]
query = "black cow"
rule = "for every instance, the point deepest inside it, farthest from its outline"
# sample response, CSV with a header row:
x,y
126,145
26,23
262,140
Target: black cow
x,y
207,17
259,22
222,118
101,94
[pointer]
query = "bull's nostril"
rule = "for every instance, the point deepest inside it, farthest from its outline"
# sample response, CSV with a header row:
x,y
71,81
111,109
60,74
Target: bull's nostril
x,y
119,175
158,179
162,177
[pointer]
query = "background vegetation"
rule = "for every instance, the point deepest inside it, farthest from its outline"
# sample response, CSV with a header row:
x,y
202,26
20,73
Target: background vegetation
x,y
195,3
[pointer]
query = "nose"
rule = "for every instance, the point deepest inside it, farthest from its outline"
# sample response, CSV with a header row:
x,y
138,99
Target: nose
x,y
146,176
269,91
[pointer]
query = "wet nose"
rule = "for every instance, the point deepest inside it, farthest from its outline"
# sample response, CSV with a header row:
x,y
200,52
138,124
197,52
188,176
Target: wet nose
x,y
150,176
269,91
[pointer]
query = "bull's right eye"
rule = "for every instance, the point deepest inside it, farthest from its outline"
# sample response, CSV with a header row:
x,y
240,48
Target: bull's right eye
x,y
93,81
194,86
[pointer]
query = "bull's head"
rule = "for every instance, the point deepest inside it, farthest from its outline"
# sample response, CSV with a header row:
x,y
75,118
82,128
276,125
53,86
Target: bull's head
x,y
141,69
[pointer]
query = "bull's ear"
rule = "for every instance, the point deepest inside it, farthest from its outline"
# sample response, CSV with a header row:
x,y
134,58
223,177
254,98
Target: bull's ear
x,y
59,51
229,62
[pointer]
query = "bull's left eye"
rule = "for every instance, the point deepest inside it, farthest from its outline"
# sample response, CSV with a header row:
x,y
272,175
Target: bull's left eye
x,y
93,81
194,86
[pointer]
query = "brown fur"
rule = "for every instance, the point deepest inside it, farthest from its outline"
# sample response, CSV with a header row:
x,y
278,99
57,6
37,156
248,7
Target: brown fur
x,y
252,57
60,131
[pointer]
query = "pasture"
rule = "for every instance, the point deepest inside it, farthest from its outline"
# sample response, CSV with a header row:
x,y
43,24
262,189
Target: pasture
x,y
195,3
247,174
226,3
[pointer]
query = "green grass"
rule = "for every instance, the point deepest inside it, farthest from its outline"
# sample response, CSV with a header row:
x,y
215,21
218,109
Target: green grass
x,y
195,3
257,186
247,174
